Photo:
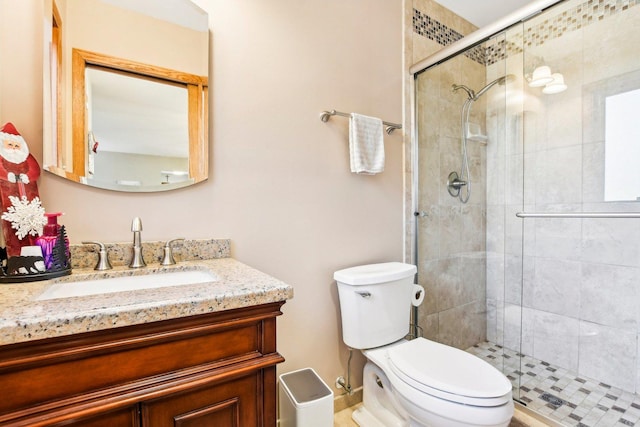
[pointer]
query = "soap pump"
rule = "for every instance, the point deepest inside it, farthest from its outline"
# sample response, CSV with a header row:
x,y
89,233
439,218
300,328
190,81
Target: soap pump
x,y
49,239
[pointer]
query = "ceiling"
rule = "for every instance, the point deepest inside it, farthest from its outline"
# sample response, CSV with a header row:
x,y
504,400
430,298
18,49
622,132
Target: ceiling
x,y
483,12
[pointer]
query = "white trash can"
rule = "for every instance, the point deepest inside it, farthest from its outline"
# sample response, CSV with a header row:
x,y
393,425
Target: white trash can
x,y
305,400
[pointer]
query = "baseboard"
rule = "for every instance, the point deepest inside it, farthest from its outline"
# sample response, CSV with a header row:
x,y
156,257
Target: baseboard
x,y
345,400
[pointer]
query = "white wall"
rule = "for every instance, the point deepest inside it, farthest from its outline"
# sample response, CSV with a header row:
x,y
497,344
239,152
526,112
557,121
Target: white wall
x,y
279,186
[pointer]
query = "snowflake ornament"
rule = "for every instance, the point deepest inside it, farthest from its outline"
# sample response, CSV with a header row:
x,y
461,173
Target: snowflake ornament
x,y
26,217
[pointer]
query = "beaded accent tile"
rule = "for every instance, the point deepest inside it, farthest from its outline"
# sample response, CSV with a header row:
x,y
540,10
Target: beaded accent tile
x,y
559,394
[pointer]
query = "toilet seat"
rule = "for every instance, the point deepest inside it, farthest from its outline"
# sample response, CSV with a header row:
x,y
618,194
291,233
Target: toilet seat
x,y
448,373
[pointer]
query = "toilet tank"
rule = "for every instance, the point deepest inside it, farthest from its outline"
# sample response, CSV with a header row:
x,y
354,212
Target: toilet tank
x,y
375,302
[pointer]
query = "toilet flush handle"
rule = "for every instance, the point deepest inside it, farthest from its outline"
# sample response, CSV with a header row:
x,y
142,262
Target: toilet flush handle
x,y
364,294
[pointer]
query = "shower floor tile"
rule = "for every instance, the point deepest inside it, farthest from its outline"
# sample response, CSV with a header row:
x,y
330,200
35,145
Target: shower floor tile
x,y
562,395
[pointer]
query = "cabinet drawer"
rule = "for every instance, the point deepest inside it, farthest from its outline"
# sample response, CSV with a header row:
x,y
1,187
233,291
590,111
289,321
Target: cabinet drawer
x,y
50,370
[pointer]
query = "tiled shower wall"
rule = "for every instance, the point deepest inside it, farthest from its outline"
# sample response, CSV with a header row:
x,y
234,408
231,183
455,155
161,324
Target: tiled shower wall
x,y
567,289
451,260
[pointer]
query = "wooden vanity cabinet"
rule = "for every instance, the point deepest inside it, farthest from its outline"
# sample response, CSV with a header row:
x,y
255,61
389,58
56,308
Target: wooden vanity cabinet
x,y
124,417
216,369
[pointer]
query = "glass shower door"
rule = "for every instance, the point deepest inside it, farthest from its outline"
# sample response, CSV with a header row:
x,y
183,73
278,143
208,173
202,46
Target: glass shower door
x,y
463,176
580,295
551,301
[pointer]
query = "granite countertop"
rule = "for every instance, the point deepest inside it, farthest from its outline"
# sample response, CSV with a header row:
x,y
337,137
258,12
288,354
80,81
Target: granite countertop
x,y
24,318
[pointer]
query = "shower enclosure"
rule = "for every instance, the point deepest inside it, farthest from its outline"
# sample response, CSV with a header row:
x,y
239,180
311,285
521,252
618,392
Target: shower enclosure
x,y
527,200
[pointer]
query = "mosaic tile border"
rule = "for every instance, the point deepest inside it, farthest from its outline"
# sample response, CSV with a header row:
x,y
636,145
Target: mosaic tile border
x,y
495,50
575,18
560,394
434,30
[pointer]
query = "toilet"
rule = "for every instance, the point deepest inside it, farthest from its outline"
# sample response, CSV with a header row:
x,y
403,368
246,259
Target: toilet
x,y
412,382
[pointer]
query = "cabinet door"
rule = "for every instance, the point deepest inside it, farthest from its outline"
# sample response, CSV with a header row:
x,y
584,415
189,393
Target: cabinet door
x,y
230,404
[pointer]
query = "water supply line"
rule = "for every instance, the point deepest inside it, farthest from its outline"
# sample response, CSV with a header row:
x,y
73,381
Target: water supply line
x,y
340,381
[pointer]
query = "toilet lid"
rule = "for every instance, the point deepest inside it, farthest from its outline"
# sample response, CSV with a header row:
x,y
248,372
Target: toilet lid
x,y
449,372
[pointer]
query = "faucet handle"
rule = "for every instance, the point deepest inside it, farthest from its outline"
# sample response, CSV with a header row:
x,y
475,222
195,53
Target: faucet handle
x,y
137,259
103,256
167,259
136,224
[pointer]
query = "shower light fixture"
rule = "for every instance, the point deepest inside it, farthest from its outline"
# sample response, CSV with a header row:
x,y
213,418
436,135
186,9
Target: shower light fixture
x,y
557,85
541,76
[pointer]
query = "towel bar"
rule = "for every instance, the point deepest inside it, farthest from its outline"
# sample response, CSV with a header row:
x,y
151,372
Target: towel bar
x,y
389,127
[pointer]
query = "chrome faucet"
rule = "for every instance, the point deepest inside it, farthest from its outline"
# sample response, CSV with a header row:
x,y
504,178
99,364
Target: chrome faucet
x,y
137,260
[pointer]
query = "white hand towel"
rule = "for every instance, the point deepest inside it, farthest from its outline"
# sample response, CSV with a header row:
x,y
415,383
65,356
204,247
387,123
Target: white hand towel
x,y
366,144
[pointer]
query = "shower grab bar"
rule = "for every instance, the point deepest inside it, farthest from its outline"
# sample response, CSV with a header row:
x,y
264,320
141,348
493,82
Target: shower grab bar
x,y
578,215
389,127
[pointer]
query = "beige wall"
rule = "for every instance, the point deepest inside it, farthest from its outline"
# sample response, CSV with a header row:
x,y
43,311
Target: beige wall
x,y
279,186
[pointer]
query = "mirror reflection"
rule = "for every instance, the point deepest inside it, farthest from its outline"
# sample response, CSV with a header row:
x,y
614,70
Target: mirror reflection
x,y
126,93
160,143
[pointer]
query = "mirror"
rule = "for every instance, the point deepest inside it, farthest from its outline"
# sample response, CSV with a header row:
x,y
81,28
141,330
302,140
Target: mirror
x,y
126,93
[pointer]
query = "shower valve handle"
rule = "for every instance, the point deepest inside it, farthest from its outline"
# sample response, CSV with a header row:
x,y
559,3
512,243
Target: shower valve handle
x,y
454,184
458,184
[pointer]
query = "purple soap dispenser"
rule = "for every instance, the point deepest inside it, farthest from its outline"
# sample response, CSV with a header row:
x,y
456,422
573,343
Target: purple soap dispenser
x,y
49,238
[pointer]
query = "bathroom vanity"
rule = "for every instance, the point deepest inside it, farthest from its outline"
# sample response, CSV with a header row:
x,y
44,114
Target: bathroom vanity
x,y
189,355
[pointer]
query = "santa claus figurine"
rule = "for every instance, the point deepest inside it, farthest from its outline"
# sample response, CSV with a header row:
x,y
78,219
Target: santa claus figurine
x,y
19,172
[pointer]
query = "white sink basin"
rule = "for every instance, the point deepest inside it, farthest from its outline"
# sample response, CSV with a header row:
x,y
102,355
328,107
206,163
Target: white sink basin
x,y
127,283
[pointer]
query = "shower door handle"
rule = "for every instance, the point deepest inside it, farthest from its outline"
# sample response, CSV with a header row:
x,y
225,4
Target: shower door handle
x,y
578,214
